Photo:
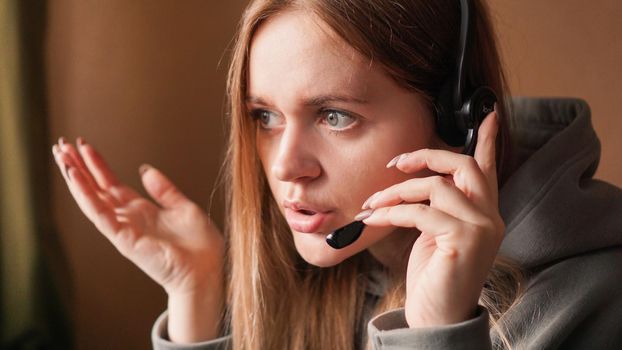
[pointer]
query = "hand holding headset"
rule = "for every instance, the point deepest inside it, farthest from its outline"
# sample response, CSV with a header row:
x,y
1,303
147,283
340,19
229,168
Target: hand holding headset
x,y
457,119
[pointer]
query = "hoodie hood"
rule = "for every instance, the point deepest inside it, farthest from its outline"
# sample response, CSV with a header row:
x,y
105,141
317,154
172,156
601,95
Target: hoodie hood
x,y
552,207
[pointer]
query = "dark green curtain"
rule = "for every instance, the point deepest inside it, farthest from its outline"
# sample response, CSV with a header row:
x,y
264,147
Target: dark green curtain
x,y
35,286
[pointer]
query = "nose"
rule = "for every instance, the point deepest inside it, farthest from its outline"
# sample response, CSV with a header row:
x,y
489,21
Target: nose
x,y
295,159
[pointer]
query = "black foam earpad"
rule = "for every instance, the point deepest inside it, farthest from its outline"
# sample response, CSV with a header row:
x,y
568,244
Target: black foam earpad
x,y
458,126
471,115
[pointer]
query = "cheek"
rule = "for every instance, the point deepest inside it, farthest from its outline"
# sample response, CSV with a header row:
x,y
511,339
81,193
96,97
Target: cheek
x,y
263,149
368,157
362,171
352,174
264,155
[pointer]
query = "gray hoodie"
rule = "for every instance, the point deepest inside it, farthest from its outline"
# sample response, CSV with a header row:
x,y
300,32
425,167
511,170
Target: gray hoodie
x,y
562,226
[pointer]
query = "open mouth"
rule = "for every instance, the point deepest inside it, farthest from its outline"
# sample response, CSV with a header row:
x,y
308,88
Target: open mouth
x,y
305,220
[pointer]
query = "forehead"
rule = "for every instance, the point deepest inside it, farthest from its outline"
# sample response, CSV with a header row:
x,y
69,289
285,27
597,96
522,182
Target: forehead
x,y
294,52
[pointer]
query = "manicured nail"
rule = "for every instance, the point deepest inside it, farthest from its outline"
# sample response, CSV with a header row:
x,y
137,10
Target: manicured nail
x,y
62,142
80,141
393,161
397,159
363,215
143,168
369,200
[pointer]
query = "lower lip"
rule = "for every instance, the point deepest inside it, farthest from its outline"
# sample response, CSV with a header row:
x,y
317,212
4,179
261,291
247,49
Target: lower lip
x,y
305,223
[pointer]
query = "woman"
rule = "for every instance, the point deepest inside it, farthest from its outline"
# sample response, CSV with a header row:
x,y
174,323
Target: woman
x,y
332,111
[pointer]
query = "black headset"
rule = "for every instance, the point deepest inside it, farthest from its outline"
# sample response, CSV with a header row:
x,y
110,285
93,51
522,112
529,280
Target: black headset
x,y
458,119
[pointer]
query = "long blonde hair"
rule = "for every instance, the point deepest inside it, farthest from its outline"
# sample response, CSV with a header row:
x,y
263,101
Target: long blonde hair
x,y
275,299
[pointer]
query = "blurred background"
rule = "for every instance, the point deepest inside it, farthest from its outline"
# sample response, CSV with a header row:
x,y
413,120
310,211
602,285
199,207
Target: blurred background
x,y
143,81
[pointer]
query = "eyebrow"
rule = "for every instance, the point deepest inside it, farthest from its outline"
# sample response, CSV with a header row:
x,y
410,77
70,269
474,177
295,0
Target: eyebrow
x,y
315,100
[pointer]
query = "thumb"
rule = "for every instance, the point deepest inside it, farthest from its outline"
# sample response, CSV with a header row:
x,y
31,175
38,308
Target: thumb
x,y
160,188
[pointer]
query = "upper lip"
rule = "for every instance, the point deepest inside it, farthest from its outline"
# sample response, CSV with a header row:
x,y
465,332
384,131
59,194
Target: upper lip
x,y
299,205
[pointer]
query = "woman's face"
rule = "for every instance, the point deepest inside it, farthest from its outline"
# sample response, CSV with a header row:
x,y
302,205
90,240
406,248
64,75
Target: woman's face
x,y
328,121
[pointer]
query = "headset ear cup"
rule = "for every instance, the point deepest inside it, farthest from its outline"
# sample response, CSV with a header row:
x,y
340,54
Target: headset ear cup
x,y
473,112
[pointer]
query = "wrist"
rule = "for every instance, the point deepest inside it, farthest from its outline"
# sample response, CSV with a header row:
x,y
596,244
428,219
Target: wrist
x,y
194,316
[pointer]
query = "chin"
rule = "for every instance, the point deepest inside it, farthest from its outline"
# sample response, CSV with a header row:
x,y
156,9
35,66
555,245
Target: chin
x,y
314,250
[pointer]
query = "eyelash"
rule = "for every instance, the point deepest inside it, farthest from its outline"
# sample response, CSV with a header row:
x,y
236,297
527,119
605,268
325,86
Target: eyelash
x,y
256,114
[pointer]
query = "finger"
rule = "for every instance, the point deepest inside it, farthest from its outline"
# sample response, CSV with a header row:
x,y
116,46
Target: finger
x,y
160,188
425,218
63,162
97,165
96,210
485,151
78,161
70,162
103,175
440,192
465,171
99,212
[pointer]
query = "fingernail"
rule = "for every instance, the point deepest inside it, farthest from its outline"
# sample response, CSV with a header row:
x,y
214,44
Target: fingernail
x,y
62,142
370,200
393,161
143,168
363,215
80,141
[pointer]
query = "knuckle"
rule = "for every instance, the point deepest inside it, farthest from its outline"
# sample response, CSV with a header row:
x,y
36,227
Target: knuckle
x,y
489,232
439,188
440,181
403,197
489,226
420,207
451,253
426,154
470,163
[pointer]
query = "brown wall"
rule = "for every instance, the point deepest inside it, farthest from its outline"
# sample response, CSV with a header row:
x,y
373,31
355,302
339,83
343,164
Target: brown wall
x,y
141,81
569,48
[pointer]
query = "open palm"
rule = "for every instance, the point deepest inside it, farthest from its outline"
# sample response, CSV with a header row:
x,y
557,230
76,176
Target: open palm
x,y
172,240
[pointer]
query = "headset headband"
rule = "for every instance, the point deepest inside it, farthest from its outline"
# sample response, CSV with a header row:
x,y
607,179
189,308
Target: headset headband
x,y
458,117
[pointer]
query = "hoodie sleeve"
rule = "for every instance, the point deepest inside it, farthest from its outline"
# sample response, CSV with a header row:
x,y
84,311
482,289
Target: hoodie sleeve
x,y
389,331
160,341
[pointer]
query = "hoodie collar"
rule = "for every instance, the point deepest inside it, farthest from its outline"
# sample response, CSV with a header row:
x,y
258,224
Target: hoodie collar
x,y
551,205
